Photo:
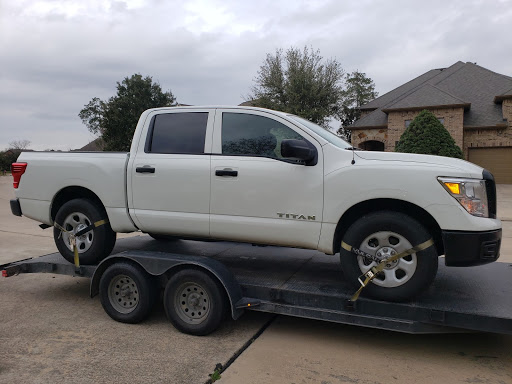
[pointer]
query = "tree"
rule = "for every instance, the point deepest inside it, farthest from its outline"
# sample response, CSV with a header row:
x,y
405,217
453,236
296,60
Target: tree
x,y
299,82
116,118
359,91
8,157
3,163
427,135
19,144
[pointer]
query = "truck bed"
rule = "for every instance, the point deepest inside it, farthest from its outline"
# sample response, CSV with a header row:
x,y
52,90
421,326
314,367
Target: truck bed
x,y
49,174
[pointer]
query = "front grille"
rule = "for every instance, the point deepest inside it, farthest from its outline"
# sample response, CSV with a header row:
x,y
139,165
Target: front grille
x,y
490,187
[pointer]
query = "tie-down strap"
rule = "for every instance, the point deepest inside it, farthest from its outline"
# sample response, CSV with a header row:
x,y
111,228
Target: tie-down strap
x,y
73,236
381,263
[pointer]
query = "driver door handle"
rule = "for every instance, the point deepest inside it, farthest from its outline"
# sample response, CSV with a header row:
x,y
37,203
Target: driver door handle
x,y
145,170
226,172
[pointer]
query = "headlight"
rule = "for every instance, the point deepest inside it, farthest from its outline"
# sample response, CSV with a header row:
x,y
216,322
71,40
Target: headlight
x,y
470,193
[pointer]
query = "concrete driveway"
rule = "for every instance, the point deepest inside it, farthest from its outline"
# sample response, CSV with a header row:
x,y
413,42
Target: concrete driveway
x,y
294,350
53,332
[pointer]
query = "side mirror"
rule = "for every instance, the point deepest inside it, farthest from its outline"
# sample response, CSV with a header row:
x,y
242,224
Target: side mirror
x,y
300,150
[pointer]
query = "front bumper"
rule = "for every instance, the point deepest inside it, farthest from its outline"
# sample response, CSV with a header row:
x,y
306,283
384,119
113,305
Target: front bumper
x,y
15,207
464,248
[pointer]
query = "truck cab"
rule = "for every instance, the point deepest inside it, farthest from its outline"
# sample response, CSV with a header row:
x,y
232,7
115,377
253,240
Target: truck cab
x,y
266,177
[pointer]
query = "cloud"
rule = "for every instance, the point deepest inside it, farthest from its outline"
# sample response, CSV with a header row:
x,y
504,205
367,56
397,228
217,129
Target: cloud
x,y
56,55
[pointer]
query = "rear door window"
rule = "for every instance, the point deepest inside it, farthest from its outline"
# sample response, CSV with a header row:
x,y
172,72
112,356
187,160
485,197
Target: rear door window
x,y
181,133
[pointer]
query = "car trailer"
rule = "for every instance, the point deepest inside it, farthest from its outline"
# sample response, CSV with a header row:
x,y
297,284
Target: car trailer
x,y
201,281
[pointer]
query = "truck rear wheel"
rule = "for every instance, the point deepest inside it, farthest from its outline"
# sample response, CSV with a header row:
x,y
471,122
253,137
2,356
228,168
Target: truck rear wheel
x,y
94,245
194,302
384,234
127,293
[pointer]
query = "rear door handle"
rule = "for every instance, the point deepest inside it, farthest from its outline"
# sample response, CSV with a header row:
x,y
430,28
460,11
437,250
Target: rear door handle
x,y
145,170
226,172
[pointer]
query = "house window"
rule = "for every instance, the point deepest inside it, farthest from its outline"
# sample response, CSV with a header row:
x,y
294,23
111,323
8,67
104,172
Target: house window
x,y
372,145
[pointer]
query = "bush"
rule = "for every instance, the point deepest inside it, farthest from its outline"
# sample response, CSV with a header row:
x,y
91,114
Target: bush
x,y
7,158
426,135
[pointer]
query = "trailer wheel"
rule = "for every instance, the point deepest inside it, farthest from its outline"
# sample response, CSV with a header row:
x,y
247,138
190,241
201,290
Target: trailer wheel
x,y
385,234
127,293
94,245
194,302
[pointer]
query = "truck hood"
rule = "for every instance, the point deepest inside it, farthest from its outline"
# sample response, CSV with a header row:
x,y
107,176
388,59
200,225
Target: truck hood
x,y
434,161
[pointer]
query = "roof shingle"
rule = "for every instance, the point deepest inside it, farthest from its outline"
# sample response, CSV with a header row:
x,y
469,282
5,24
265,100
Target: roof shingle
x,y
426,96
465,84
375,118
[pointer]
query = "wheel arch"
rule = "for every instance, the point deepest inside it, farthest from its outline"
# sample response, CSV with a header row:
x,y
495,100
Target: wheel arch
x,y
73,192
395,205
164,265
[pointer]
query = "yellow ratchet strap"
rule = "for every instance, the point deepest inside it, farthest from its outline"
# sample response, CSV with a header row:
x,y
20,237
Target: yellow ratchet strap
x,y
100,223
373,271
73,236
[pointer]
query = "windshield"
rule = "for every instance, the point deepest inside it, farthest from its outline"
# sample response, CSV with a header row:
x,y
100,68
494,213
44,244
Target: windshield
x,y
327,135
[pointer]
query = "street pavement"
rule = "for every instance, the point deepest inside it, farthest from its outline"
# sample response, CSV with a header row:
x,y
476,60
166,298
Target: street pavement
x,y
51,331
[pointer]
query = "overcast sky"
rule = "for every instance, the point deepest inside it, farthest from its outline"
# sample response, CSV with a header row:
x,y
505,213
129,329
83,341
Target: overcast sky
x,y
55,56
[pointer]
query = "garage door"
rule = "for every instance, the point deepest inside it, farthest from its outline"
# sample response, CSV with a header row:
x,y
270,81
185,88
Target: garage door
x,y
496,160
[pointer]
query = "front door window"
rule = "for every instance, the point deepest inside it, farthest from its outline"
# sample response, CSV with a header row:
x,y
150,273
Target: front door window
x,y
252,135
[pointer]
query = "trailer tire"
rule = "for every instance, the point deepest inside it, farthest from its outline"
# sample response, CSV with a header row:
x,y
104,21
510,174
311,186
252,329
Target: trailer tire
x,y
389,233
194,302
127,293
93,246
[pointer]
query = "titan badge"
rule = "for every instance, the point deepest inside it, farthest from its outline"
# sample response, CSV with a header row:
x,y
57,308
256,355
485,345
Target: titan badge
x,y
295,216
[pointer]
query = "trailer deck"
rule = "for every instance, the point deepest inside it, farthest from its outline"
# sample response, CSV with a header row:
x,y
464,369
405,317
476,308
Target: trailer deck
x,y
310,284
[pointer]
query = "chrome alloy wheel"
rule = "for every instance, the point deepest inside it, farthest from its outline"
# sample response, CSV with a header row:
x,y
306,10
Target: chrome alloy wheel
x,y
192,303
123,293
384,245
73,223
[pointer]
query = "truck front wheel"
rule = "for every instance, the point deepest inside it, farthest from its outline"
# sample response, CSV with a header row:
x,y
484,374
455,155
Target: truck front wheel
x,y
92,246
385,234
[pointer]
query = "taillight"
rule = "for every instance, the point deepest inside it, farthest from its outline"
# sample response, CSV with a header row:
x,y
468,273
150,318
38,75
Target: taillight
x,y
17,169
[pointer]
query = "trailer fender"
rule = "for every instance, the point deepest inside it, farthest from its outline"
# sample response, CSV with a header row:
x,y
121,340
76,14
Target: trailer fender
x,y
158,263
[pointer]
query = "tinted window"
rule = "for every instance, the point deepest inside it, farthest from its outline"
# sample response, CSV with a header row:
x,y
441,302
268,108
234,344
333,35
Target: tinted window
x,y
182,132
253,135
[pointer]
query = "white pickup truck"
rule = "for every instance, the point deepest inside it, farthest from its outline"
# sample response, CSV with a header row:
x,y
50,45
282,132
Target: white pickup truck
x,y
266,177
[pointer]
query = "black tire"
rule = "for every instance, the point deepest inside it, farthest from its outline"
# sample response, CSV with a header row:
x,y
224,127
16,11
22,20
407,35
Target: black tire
x,y
194,302
99,242
163,237
395,283
127,293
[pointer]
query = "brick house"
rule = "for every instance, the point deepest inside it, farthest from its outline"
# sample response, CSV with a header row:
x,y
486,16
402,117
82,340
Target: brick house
x,y
472,102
